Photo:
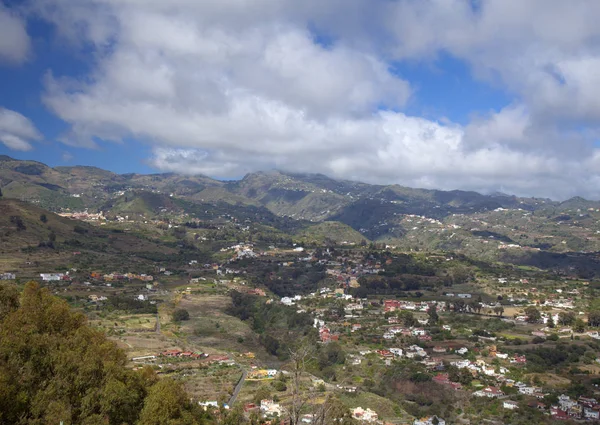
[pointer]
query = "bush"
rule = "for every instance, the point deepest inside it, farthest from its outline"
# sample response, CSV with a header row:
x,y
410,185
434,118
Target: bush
x,y
279,385
180,314
80,229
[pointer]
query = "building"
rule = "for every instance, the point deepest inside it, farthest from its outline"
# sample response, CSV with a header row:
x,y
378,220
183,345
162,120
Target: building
x,y
8,276
52,277
366,415
270,408
430,420
510,405
489,392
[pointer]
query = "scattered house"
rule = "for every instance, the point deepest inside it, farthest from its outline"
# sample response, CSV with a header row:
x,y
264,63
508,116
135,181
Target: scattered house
x,y
442,378
489,392
518,359
591,412
326,336
558,414
8,276
465,296
209,404
430,420
250,407
510,405
52,277
396,352
366,415
462,351
391,305
270,408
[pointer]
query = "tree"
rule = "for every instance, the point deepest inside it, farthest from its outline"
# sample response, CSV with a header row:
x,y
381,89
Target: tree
x,y
594,318
499,310
166,404
0,192
550,322
9,299
261,394
579,325
566,318
54,367
533,315
460,306
433,315
180,314
18,221
407,318
43,218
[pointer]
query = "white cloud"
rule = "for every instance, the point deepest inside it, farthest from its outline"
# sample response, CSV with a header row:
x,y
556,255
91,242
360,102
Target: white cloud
x,y
14,41
232,86
16,131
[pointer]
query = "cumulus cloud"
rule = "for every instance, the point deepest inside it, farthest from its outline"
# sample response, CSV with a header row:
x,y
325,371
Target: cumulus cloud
x,y
16,131
14,41
228,87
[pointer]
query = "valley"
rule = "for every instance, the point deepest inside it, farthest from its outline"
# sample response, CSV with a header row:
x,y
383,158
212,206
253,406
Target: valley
x,y
287,298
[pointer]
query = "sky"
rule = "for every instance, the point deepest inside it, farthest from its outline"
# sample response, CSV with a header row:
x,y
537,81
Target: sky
x,y
485,95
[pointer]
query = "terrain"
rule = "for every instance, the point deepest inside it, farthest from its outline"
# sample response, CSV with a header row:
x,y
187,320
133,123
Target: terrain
x,y
454,220
295,297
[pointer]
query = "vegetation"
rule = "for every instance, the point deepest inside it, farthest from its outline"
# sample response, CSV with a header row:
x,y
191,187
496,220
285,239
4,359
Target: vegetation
x,y
54,367
180,314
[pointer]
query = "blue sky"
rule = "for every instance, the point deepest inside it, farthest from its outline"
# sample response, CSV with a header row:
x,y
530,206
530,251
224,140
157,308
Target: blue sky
x,y
432,93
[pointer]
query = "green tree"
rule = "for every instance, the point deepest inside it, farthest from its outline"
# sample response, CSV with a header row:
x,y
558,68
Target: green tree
x,y
433,315
550,322
166,404
54,367
407,318
566,318
180,314
43,218
261,394
594,318
533,315
579,325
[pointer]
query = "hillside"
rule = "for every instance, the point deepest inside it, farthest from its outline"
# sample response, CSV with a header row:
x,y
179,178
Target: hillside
x,y
286,201
29,233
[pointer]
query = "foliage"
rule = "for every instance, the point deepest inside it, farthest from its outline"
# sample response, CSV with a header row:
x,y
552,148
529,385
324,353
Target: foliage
x,y
54,367
279,326
533,315
180,314
130,305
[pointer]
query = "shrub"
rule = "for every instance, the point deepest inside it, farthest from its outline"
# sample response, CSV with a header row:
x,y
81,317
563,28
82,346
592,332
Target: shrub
x,y
180,314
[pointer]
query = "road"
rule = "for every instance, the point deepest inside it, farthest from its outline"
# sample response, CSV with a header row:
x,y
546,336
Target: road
x,y
238,388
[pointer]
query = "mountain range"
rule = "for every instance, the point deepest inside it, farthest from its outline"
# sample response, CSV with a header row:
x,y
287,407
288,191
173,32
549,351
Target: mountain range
x,y
377,212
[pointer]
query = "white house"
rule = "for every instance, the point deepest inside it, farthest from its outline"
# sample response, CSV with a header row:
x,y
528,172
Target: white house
x,y
269,407
489,392
366,415
510,405
49,277
430,420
